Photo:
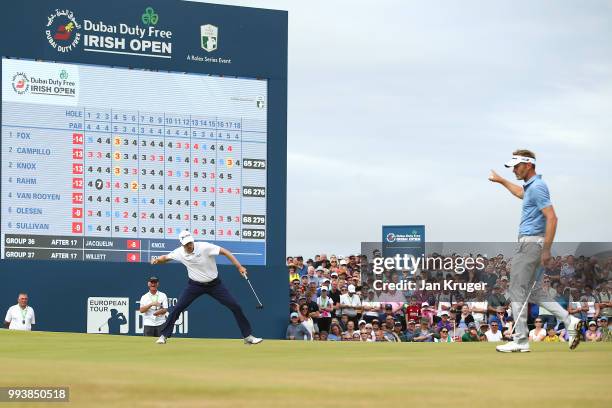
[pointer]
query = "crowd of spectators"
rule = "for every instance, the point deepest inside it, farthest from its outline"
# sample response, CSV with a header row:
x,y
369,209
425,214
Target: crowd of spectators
x,y
335,299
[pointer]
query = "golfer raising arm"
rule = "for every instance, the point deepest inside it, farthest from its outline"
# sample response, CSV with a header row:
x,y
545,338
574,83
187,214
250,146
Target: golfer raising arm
x,y
199,259
536,235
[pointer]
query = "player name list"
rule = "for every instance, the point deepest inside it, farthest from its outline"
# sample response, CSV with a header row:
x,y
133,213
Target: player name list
x,y
84,183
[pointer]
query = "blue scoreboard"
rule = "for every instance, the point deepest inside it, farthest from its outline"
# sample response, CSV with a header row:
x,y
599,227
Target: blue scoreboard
x,y
124,123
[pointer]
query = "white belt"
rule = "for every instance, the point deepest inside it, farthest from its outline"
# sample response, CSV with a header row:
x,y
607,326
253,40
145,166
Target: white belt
x,y
531,238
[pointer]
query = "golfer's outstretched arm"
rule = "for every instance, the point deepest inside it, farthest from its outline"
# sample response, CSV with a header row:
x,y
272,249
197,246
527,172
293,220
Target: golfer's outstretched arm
x,y
233,260
160,260
515,189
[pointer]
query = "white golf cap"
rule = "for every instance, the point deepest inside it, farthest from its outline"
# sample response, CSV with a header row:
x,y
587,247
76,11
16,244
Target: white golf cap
x,y
351,288
324,288
519,159
185,237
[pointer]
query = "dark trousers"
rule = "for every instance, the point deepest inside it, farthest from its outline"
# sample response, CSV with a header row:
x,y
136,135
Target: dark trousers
x,y
215,289
152,331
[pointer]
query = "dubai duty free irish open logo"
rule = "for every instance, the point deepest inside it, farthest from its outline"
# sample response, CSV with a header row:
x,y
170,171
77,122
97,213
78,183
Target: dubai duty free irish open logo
x,y
209,36
62,30
21,83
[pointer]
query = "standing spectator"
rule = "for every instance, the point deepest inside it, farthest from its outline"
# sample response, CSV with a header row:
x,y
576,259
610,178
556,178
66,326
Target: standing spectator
x,y
427,312
465,317
326,307
479,307
296,330
496,300
546,316
575,307
567,270
592,334
371,307
592,302
154,308
605,299
471,335
306,320
538,333
20,316
300,268
413,311
350,303
293,275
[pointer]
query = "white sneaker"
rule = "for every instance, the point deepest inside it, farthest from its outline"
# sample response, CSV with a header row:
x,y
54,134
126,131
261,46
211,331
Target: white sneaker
x,y
250,339
513,347
574,331
161,340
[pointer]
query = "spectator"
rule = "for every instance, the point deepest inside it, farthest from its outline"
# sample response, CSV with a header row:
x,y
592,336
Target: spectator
x,y
368,330
293,275
413,311
371,307
592,303
410,332
496,301
427,312
494,334
424,333
300,268
296,330
567,270
444,337
592,334
605,329
326,307
575,307
20,316
551,336
548,319
444,323
388,312
306,320
350,303
335,333
479,308
397,329
389,329
465,317
605,299
538,333
350,329
472,334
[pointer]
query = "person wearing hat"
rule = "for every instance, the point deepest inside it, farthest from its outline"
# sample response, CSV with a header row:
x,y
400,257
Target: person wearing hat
x,y
444,323
350,304
296,330
592,333
326,307
199,259
153,308
536,235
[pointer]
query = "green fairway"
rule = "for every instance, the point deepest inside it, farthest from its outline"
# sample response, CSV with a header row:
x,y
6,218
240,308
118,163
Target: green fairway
x,y
104,370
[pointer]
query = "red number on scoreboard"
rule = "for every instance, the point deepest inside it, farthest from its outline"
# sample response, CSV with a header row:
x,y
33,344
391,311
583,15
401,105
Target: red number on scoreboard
x,y
77,154
77,212
133,257
77,138
77,198
77,183
77,227
133,244
77,168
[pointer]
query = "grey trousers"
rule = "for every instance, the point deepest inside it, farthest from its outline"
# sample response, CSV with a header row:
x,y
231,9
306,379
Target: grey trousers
x,y
525,264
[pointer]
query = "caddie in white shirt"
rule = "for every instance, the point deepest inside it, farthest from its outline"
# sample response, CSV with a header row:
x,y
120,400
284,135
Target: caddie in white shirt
x,y
154,307
20,316
199,259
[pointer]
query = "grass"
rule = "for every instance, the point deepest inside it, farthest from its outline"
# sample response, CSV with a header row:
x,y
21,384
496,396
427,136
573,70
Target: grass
x,y
104,370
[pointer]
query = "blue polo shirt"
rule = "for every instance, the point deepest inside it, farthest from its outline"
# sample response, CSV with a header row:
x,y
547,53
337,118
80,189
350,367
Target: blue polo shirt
x,y
535,198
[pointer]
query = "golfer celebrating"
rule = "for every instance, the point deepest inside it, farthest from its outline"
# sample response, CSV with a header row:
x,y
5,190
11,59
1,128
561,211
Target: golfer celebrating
x,y
199,259
536,234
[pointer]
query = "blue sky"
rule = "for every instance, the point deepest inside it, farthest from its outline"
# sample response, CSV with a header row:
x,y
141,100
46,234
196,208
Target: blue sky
x,y
398,109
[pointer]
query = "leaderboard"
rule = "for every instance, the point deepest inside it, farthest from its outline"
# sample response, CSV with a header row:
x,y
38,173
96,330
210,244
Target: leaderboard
x,y
110,164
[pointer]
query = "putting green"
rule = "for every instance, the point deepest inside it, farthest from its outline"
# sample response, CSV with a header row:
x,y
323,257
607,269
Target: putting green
x,y
104,370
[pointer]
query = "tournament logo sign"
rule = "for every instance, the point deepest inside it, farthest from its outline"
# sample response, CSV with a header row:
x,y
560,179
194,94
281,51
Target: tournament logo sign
x,y
108,315
21,84
391,237
62,31
210,37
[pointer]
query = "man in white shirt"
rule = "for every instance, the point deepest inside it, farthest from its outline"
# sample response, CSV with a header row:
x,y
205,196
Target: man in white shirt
x,y
20,316
350,303
494,334
199,259
153,307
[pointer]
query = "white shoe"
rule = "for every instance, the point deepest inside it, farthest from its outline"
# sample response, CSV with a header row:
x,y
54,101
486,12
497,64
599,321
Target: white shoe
x,y
574,331
513,347
161,340
250,339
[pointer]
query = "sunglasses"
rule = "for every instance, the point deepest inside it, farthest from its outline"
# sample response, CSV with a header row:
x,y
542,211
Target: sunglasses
x,y
444,331
538,321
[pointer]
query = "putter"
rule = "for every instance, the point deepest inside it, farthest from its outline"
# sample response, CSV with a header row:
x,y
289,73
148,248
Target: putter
x,y
260,305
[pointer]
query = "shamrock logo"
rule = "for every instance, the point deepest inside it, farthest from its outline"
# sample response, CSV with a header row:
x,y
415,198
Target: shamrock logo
x,y
149,16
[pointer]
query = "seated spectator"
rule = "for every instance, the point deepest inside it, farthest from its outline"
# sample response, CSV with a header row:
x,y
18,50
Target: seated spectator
x,y
551,336
465,317
592,334
380,336
335,333
424,333
410,330
350,328
498,317
471,334
364,336
444,337
493,334
538,333
602,322
397,329
427,312
323,335
388,312
296,330
444,323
